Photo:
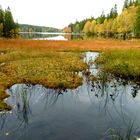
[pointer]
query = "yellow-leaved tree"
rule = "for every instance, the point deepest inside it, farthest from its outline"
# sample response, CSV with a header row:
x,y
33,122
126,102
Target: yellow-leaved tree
x,y
125,22
92,27
87,27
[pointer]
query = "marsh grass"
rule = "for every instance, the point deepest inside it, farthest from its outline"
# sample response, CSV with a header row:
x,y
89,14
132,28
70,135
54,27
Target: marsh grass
x,y
50,69
55,64
122,63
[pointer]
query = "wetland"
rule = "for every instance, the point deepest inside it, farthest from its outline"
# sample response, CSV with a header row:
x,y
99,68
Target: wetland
x,y
69,89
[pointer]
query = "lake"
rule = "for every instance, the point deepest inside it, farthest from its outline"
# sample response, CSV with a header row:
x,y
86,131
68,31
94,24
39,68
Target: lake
x,y
50,36
96,110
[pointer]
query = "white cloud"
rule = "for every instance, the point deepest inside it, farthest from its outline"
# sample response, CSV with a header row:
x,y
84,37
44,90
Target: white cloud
x,y
57,13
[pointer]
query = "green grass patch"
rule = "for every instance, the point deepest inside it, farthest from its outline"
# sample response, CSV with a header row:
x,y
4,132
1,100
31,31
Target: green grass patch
x,y
123,63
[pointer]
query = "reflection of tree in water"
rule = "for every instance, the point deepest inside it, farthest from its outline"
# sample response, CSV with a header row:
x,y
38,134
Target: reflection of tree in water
x,y
73,36
33,35
25,99
23,109
21,104
113,88
29,96
109,93
104,86
3,117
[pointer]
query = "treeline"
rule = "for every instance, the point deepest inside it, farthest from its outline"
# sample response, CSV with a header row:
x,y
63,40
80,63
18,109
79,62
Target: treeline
x,y
125,25
33,28
8,27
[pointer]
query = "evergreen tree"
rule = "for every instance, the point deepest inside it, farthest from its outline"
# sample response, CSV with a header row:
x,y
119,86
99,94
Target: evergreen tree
x,y
137,26
136,2
82,24
130,3
1,15
1,20
101,19
126,4
9,25
113,13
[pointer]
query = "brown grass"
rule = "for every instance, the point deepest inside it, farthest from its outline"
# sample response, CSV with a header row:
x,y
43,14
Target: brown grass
x,y
84,45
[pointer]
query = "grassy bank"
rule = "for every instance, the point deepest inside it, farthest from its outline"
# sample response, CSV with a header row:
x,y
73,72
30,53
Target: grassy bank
x,y
122,63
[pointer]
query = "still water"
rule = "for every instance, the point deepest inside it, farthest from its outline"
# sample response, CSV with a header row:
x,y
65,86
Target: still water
x,y
90,112
50,36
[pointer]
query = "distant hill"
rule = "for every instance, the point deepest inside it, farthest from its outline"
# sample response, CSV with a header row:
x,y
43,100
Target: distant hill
x,y
33,28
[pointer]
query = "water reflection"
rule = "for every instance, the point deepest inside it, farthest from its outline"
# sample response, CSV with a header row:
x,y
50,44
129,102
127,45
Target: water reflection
x,y
56,36
3,117
50,36
105,105
98,109
42,36
24,98
116,100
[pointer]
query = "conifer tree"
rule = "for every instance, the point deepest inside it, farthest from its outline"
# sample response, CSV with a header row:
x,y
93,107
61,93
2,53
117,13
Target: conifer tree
x,y
126,4
1,15
9,24
1,20
137,26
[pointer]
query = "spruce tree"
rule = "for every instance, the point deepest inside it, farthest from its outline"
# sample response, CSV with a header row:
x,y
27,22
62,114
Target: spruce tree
x,y
136,2
137,25
115,13
9,24
101,19
1,20
1,15
126,4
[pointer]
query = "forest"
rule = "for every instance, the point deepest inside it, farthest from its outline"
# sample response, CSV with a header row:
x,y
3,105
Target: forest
x,y
124,25
33,28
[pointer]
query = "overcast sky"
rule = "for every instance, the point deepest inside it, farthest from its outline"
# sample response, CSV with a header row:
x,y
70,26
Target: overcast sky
x,y
57,13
